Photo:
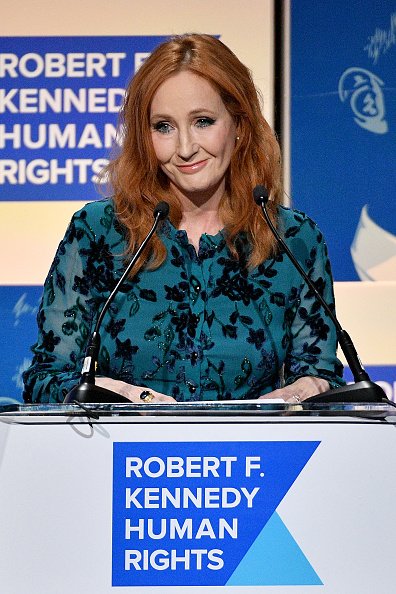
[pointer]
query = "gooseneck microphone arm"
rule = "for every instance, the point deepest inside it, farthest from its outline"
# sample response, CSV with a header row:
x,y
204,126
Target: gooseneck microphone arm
x,y
86,391
261,197
361,377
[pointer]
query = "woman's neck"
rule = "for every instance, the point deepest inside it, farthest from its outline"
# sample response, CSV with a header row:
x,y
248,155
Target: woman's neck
x,y
199,221
201,215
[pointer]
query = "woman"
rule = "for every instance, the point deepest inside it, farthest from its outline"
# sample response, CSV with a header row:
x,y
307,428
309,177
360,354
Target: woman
x,y
213,310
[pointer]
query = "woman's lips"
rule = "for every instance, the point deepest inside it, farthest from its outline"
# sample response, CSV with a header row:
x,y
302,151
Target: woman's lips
x,y
192,167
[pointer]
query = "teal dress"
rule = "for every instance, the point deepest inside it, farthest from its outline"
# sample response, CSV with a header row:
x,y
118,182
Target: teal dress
x,y
201,327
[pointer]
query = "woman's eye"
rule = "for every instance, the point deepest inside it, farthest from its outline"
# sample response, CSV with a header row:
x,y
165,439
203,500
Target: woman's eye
x,y
205,122
162,127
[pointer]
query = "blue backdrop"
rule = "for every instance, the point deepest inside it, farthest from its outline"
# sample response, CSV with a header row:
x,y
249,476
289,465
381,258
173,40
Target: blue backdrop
x,y
343,119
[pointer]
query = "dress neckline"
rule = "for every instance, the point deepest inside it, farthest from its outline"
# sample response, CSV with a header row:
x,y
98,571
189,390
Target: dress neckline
x,y
206,241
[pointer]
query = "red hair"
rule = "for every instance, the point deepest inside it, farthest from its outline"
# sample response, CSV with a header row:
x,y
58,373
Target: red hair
x,y
139,184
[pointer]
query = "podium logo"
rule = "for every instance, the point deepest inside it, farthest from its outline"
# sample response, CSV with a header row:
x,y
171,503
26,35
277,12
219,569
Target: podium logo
x,y
182,519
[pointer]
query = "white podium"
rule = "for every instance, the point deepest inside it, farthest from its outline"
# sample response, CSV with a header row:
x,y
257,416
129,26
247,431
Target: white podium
x,y
198,498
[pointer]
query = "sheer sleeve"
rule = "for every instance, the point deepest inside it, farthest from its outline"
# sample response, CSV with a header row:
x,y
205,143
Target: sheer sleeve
x,y
313,341
68,309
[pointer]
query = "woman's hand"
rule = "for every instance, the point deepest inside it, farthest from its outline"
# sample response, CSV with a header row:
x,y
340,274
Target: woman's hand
x,y
302,388
133,392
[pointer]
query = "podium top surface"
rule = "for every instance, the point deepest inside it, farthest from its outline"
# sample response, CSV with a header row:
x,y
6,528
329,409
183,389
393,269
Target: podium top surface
x,y
208,411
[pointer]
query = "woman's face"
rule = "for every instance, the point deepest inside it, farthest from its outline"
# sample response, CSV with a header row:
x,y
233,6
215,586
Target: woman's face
x,y
193,136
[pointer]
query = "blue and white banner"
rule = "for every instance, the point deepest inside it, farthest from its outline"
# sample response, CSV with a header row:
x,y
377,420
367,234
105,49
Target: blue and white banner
x,y
59,104
343,130
59,100
184,516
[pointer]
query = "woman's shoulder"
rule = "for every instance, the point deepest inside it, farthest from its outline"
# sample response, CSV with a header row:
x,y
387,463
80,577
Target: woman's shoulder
x,y
100,217
293,223
96,222
96,209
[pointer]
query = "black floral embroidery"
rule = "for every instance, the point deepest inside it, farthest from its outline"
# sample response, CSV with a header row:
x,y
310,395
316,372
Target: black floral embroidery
x,y
124,349
202,326
114,327
148,294
256,337
50,341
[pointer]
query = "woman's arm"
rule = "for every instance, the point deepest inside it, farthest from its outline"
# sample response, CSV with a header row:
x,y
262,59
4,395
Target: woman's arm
x,y
311,365
77,286
64,322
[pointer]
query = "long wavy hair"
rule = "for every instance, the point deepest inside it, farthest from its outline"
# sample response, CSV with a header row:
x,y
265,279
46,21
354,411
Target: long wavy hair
x,y
137,181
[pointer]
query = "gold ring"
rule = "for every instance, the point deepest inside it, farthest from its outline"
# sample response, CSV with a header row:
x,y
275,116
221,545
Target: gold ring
x,y
146,396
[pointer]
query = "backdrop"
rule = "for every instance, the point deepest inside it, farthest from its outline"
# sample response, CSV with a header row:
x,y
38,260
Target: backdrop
x,y
63,67
342,170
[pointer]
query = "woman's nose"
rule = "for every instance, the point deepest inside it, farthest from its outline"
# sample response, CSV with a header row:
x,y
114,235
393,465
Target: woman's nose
x,y
187,147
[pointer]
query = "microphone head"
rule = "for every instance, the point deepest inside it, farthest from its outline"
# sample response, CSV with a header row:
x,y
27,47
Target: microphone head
x,y
161,210
260,195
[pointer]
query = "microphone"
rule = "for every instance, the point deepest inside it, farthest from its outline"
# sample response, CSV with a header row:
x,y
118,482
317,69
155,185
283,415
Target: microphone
x,y
363,390
86,390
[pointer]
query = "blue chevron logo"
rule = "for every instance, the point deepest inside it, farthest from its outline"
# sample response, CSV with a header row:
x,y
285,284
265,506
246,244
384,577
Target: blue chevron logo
x,y
204,513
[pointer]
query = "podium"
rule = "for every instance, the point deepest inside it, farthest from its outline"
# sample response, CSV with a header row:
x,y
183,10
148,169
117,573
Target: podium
x,y
201,498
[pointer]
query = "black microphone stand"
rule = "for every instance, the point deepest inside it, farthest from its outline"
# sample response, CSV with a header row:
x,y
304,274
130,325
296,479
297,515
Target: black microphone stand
x,y
363,389
86,390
